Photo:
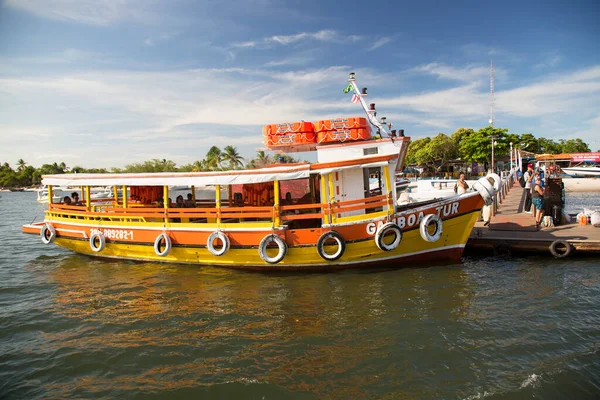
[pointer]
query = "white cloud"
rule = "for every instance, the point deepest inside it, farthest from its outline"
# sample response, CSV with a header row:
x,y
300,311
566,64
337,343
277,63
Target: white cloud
x,y
91,12
469,73
116,117
459,102
560,94
326,35
380,42
549,62
160,38
244,44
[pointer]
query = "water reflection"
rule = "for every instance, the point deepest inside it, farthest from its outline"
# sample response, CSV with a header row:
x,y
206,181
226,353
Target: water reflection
x,y
187,325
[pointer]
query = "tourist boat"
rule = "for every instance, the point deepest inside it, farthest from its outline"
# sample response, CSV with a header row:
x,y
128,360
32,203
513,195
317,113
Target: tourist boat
x,y
42,196
583,170
323,215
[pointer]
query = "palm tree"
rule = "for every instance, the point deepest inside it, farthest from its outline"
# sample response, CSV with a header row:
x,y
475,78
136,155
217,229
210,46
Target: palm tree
x,y
197,166
21,165
262,159
214,157
231,155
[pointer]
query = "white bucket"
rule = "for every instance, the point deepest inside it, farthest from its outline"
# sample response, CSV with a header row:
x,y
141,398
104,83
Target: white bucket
x,y
595,218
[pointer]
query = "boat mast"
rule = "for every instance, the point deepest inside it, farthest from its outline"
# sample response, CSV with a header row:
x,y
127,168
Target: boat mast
x,y
369,109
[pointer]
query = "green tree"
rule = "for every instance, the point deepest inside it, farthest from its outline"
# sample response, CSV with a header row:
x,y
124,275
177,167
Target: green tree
x,y
478,146
441,149
154,165
213,158
26,176
573,146
414,154
457,137
528,142
231,156
547,146
21,164
261,160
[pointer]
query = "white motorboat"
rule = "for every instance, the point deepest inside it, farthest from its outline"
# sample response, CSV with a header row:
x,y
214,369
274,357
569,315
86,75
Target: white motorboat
x,y
583,170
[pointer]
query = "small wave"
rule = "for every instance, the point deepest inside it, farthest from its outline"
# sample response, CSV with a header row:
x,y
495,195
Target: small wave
x,y
247,381
479,396
531,380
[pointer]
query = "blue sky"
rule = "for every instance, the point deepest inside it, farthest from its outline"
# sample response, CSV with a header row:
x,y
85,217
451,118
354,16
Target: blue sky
x,y
108,83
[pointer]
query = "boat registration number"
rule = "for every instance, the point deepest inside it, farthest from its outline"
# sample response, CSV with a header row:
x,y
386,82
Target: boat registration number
x,y
114,233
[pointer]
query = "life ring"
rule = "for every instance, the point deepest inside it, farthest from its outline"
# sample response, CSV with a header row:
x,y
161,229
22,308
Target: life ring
x,y
264,243
101,242
557,243
383,230
210,243
428,237
485,190
340,244
497,181
157,243
47,233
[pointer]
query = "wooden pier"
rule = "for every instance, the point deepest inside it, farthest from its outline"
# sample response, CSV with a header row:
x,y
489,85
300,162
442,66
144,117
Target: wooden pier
x,y
512,230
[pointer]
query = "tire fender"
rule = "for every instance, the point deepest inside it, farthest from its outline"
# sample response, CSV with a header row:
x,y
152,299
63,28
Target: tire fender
x,y
264,243
429,219
340,243
384,229
554,246
168,245
210,243
101,242
47,233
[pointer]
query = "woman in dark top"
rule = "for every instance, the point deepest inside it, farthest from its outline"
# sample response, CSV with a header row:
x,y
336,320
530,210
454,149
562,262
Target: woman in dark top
x,y
537,198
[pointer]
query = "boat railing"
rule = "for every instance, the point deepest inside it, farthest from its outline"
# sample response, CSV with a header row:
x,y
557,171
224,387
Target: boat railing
x,y
507,182
302,211
369,206
281,214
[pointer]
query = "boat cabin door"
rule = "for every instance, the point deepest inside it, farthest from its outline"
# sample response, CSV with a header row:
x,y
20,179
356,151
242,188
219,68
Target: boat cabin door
x,y
348,185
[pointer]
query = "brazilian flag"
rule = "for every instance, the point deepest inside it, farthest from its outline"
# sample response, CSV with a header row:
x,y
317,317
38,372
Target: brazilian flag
x,y
349,88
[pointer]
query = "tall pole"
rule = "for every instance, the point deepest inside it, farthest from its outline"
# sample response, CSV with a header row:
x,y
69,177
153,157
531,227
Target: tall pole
x,y
492,110
492,167
511,157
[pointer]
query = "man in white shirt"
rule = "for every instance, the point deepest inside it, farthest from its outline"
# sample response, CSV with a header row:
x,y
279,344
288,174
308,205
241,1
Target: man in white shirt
x,y
462,185
528,176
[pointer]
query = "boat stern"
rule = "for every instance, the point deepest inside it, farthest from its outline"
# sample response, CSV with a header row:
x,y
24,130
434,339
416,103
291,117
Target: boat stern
x,y
33,229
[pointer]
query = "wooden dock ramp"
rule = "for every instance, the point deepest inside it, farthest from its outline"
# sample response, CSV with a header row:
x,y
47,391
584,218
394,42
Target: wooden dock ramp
x,y
512,230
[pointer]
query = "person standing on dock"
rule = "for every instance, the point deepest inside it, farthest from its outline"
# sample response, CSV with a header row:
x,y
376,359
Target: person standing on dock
x,y
462,184
528,176
538,200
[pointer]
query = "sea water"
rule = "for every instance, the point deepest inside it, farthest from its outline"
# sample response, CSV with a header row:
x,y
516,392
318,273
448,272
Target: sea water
x,y
74,326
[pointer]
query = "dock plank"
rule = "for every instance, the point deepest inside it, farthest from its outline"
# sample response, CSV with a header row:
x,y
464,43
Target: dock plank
x,y
510,215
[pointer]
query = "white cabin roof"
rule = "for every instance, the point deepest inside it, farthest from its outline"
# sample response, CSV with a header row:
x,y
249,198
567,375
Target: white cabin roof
x,y
282,172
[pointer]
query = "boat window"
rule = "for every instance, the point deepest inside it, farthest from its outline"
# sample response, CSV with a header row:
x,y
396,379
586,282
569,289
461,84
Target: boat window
x,y
370,151
373,184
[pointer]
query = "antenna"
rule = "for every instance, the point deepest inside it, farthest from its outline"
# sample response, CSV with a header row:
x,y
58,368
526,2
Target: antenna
x,y
491,93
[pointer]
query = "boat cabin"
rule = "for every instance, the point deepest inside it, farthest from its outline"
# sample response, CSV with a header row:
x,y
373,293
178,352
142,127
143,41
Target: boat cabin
x,y
350,181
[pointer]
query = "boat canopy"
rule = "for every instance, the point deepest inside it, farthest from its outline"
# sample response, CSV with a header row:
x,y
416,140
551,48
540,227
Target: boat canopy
x,y
182,178
280,172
